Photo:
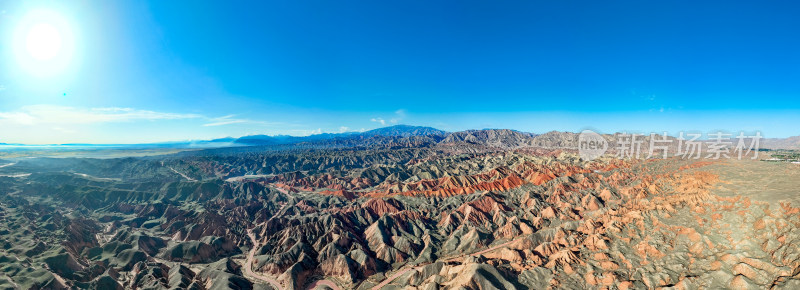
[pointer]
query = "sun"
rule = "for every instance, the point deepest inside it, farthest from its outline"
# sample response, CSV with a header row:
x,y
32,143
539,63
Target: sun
x,y
44,43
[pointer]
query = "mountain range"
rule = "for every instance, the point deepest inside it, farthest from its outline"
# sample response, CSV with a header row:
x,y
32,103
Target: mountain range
x,y
496,138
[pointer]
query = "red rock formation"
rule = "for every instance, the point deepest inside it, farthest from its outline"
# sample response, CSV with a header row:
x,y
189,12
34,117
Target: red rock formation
x,y
343,193
380,206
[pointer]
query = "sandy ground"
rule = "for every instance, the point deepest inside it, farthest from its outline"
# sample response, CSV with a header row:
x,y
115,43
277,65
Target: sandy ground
x,y
771,182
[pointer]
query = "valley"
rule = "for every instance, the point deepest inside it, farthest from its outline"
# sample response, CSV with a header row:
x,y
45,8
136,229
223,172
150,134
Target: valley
x,y
401,208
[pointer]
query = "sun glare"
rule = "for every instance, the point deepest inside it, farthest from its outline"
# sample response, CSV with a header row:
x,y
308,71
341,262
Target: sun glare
x,y
44,43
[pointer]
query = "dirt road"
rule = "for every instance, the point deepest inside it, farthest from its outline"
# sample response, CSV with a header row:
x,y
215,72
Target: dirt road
x,y
248,264
398,274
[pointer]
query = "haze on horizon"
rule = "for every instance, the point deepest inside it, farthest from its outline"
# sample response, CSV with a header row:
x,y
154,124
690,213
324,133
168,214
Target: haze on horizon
x,y
153,71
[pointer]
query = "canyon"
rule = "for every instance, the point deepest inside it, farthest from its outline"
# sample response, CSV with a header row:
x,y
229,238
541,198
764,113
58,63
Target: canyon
x,y
399,208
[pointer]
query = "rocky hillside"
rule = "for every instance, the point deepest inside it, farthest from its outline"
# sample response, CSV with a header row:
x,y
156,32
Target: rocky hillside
x,y
486,209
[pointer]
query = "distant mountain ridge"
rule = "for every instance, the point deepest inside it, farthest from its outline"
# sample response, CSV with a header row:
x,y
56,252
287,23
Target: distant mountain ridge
x,y
404,131
392,131
781,143
402,136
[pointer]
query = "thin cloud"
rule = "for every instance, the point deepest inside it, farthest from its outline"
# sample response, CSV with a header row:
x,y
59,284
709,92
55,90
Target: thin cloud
x,y
231,119
17,117
64,130
223,123
50,114
399,115
379,120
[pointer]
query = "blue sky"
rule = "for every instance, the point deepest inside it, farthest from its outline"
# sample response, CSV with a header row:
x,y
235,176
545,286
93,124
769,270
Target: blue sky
x,y
147,71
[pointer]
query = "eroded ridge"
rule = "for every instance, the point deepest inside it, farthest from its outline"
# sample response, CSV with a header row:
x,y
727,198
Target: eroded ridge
x,y
407,218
